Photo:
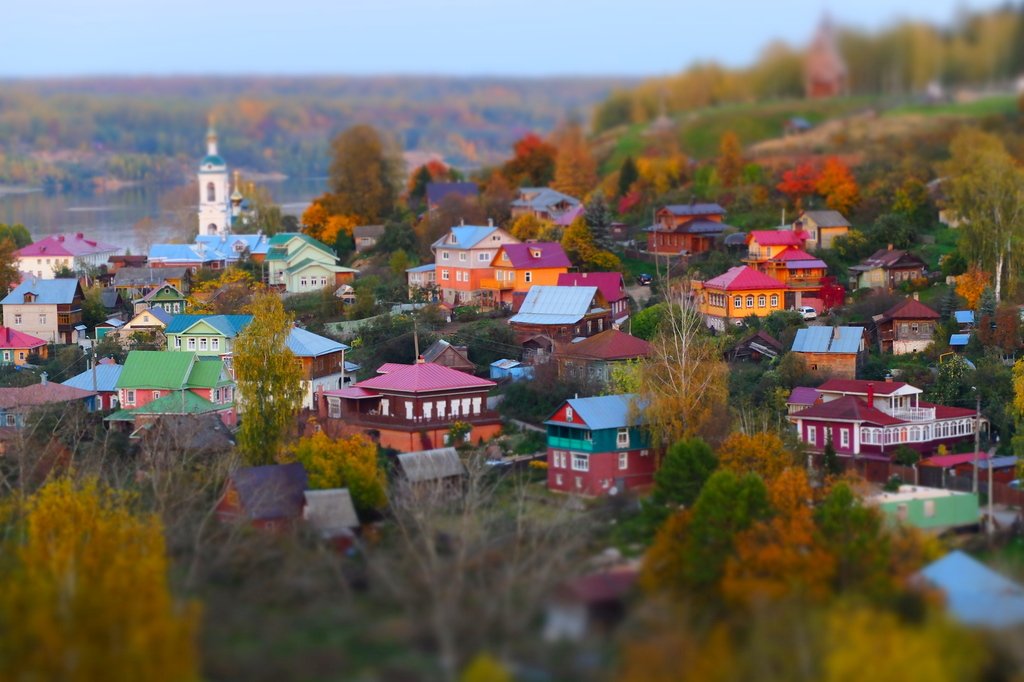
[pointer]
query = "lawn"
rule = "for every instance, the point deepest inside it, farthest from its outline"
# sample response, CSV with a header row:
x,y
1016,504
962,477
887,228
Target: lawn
x,y
989,106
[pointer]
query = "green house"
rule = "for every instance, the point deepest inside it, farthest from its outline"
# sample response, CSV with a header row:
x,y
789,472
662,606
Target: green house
x,y
166,297
934,509
297,262
208,335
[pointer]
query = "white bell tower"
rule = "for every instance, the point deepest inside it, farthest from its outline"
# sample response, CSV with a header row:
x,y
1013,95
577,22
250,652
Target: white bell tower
x,y
214,190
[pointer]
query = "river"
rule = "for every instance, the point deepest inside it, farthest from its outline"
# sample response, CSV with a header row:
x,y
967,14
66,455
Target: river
x,y
110,216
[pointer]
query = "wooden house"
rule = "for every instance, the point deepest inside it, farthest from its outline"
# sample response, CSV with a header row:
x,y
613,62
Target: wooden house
x,y
166,296
822,227
736,295
463,260
366,236
438,466
49,309
683,229
593,358
101,380
907,327
443,353
17,402
298,263
544,203
611,285
16,347
562,313
519,267
754,348
887,269
269,497
831,351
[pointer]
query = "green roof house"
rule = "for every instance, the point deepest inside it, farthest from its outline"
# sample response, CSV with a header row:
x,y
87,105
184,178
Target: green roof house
x,y
166,296
296,262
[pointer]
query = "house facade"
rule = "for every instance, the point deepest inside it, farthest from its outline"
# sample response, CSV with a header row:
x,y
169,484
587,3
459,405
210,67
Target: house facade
x,y
611,285
73,251
822,227
831,351
136,282
683,229
298,263
518,267
102,380
801,272
596,447
544,203
49,309
443,353
561,314
887,269
422,282
907,327
366,236
166,296
411,407
16,347
737,294
17,402
593,358
464,258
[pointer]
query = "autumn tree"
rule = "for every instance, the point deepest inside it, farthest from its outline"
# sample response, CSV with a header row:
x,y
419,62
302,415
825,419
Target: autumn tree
x,y
986,191
761,453
363,176
269,379
85,593
799,183
683,471
971,285
227,293
578,243
9,273
730,159
17,233
837,186
532,163
575,168
347,462
528,226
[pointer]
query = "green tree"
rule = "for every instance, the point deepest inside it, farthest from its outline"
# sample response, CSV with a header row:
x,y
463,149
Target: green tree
x,y
269,379
829,458
9,273
894,228
363,175
93,310
628,174
951,386
852,533
644,325
17,233
399,263
687,466
599,219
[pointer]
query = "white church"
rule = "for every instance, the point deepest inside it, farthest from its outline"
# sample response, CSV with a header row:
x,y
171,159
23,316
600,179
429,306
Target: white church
x,y
218,206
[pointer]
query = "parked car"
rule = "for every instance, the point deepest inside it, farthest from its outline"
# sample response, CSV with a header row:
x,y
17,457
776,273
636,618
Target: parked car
x,y
807,312
644,280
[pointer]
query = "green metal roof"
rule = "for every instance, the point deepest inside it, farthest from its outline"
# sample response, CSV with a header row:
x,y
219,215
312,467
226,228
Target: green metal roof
x,y
156,369
278,249
179,402
205,374
213,160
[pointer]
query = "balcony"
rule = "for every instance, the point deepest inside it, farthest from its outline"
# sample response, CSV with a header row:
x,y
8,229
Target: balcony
x,y
804,282
910,414
417,423
570,444
496,285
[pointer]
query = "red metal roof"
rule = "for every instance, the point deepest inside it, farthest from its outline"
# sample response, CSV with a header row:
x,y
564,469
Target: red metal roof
x,y
946,412
847,408
793,253
775,238
421,377
610,344
952,460
910,309
861,386
11,338
534,255
66,245
610,284
742,278
352,392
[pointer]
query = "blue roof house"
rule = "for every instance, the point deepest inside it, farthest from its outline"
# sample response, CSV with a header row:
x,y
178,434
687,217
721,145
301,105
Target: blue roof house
x,y
975,594
103,381
832,351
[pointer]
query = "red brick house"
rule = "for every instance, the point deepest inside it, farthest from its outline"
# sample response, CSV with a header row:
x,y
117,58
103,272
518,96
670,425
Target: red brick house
x,y
411,407
610,284
683,229
597,446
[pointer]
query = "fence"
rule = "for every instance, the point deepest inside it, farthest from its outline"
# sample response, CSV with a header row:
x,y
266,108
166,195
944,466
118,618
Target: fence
x,y
935,477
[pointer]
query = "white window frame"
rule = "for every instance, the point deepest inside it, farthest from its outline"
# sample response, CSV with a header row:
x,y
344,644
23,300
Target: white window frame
x,y
580,462
737,301
177,342
844,438
444,275
445,255
568,414
204,343
215,343
812,435
129,396
483,256
775,300
17,318
623,461
191,343
528,276
622,438
463,257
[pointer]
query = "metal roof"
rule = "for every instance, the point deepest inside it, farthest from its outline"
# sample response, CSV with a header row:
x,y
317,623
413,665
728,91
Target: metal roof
x,y
827,218
106,378
998,462
542,198
603,412
959,339
228,325
466,236
975,594
47,291
555,305
330,512
431,465
180,253
828,340
308,344
964,316
429,267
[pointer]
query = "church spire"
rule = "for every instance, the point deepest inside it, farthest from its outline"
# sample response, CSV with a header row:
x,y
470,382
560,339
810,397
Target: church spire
x,y
211,138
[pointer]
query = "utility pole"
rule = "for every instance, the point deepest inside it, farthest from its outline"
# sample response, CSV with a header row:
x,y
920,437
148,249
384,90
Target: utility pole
x,y
977,436
415,336
991,525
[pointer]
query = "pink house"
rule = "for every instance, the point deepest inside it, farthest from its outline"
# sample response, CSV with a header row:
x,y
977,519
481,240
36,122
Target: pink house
x,y
610,284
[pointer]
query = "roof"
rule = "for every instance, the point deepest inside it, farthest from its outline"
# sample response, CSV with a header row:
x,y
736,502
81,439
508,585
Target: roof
x,y
277,249
964,316
828,340
775,238
848,408
40,394
793,253
885,258
437,191
603,412
196,432
233,246
350,392
743,278
959,339
47,292
367,231
910,309
535,255
692,226
160,314
827,218
169,370
306,344
422,377
555,305
998,462
106,378
431,465
12,338
153,293
506,363
212,160
466,236
429,267
330,512
953,460
542,198
110,297
610,284
611,344
803,395
440,346
694,209
274,491
66,245
181,253
975,594
861,386
177,402
228,325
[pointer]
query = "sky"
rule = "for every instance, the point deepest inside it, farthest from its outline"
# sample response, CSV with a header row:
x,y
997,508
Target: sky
x,y
445,37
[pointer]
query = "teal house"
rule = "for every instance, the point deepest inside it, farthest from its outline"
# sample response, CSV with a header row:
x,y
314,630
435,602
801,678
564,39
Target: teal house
x,y
210,335
933,509
166,296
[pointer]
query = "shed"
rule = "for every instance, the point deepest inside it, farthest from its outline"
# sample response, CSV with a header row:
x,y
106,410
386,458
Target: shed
x,y
265,495
959,340
439,464
964,318
331,513
510,369
975,594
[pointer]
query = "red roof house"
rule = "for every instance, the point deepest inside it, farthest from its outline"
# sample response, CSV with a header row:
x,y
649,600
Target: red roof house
x,y
16,346
411,407
611,285
72,251
593,357
907,327
737,294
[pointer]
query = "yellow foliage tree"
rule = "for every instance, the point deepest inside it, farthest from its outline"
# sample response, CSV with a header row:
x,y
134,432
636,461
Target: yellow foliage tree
x,y
314,218
336,225
761,453
730,159
971,285
528,226
661,174
344,463
201,300
578,243
575,167
485,668
780,556
85,594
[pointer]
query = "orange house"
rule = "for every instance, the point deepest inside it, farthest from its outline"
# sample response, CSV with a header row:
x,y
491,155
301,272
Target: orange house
x,y
682,229
463,260
517,267
737,294
798,270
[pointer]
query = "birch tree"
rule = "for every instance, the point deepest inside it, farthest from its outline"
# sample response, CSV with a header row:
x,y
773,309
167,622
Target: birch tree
x,y
986,190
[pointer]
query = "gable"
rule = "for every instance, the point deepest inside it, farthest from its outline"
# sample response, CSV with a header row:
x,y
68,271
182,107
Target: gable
x,y
562,415
202,327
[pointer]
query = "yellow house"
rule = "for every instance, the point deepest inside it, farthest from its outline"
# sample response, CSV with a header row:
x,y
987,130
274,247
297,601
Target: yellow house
x,y
737,294
822,227
765,245
517,267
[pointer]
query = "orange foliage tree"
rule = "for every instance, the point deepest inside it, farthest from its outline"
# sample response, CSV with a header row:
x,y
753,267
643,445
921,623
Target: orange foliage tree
x,y
760,453
837,186
799,183
971,285
575,167
532,163
730,160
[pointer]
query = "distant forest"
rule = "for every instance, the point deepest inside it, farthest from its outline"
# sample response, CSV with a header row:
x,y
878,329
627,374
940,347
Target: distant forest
x,y
70,132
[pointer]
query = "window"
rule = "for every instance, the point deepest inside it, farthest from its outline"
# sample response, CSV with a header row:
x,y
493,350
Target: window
x,y
10,420
302,282
385,406
156,394
177,307
844,437
528,277
568,414
177,342
623,460
129,397
558,479
7,355
462,256
203,343
211,192
915,328
444,275
761,300
580,462
17,319
216,395
214,344
812,435
775,300
483,257
737,301
750,300
334,408
644,453
929,508
191,343
622,438
444,255
42,318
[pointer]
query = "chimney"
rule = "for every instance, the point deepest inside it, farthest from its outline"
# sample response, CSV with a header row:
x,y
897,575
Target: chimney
x,y
420,360
871,394
888,377
798,225
916,296
490,222
42,379
889,247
